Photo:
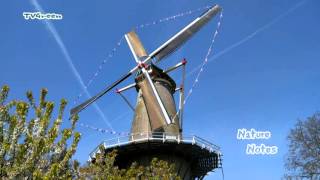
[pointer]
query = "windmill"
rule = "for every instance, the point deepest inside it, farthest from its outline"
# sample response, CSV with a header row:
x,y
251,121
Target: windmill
x,y
157,126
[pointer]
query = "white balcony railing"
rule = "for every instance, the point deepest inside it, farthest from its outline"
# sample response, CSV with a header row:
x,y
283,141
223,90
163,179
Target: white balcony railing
x,y
159,137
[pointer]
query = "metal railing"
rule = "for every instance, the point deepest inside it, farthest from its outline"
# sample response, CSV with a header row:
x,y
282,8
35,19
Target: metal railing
x,y
156,137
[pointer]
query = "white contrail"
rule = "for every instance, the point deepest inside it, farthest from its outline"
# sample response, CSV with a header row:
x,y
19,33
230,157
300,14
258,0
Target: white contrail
x,y
250,36
65,52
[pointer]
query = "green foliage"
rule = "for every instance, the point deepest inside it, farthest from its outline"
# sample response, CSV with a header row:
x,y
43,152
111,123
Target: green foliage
x,y
104,168
303,159
31,148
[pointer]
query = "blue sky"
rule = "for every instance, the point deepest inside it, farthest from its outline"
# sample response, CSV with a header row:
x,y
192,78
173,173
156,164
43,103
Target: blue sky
x,y
263,73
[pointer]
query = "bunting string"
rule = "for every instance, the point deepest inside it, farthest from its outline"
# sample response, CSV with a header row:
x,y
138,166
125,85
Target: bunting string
x,y
205,61
105,131
108,131
170,18
100,67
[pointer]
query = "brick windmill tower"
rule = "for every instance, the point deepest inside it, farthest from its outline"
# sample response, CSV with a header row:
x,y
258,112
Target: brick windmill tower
x,y
156,130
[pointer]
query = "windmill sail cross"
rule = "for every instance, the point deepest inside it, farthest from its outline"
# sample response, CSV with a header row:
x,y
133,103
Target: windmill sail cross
x,y
164,50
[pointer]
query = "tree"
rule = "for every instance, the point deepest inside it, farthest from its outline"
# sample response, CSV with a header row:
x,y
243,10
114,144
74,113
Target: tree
x,y
32,146
303,159
103,168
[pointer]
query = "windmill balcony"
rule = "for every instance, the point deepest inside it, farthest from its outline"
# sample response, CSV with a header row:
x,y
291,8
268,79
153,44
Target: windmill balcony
x,y
156,137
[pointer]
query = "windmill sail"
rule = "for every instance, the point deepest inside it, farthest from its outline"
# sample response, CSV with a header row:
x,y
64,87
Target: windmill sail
x,y
83,105
135,45
155,107
182,36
